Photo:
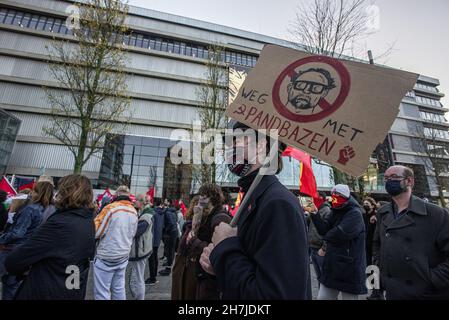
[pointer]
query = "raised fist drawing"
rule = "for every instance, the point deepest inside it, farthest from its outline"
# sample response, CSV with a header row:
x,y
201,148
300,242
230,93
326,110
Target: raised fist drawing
x,y
346,154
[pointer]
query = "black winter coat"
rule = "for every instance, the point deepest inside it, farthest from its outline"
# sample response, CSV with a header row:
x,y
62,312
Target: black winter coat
x,y
171,222
66,239
413,251
269,257
158,225
344,267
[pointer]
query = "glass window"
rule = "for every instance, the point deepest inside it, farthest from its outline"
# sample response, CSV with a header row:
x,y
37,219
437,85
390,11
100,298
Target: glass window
x,y
183,48
149,151
244,59
188,50
10,16
127,159
170,47
49,24
200,52
18,18
233,57
126,39
177,47
151,142
239,58
194,51
158,45
146,43
41,23
139,41
164,46
133,39
148,161
63,29
3,12
26,20
57,26
152,44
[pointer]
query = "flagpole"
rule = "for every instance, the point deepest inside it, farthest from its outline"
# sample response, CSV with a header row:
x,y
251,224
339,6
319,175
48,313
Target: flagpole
x,y
11,185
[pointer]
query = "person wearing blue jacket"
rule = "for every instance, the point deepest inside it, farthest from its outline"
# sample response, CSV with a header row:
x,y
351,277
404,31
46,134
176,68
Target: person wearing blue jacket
x,y
158,227
25,221
171,232
267,256
344,267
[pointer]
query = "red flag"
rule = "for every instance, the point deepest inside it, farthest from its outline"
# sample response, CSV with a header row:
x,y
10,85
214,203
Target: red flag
x,y
183,208
6,186
27,186
237,203
150,193
106,193
307,181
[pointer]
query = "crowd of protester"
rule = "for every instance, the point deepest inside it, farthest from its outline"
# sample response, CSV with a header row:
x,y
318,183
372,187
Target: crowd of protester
x,y
53,237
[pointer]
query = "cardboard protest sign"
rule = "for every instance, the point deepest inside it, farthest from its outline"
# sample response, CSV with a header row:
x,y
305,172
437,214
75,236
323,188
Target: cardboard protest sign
x,y
336,110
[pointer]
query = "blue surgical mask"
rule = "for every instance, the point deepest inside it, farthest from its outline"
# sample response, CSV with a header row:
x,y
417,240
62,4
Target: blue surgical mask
x,y
394,187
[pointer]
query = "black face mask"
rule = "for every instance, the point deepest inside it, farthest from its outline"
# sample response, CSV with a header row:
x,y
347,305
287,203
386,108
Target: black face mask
x,y
367,208
239,169
395,188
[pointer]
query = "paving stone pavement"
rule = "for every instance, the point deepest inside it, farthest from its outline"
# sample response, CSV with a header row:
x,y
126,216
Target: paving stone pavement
x,y
162,289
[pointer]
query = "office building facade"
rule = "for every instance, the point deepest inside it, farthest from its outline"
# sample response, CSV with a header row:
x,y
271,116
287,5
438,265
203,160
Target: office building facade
x,y
166,64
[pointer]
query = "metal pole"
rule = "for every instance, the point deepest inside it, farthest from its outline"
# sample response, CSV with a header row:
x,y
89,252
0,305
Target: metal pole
x,y
132,165
370,56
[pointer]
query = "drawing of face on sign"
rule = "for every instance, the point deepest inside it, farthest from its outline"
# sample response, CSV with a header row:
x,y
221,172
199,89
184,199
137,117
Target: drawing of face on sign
x,y
311,89
307,88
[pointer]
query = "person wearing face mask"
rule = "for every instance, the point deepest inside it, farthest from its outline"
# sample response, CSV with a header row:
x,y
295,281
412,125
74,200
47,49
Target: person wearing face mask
x,y
411,242
207,214
266,255
344,259
369,205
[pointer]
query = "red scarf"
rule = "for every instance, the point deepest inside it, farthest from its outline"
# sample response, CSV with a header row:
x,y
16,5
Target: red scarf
x,y
338,201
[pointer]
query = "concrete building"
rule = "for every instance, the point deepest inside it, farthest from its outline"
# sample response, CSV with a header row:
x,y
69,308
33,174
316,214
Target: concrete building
x,y
166,64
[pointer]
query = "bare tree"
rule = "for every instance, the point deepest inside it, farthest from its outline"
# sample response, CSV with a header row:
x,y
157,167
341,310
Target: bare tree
x,y
91,71
331,27
213,102
335,28
434,148
152,176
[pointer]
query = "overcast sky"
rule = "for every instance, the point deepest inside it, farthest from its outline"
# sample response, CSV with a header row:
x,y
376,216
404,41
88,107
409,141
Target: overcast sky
x,y
418,29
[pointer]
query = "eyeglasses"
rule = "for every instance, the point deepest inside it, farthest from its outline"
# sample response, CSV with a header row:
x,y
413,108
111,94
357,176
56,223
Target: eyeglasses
x,y
313,87
394,177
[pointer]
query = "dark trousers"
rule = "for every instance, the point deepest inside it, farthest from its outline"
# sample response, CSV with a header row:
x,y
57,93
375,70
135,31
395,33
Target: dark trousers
x,y
317,262
153,263
171,246
369,255
10,284
165,239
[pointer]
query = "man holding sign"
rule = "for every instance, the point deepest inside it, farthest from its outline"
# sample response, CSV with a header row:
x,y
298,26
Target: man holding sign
x,y
266,256
338,111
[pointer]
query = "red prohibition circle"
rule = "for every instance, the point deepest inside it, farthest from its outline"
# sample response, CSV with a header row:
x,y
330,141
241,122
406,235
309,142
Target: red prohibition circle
x,y
344,89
